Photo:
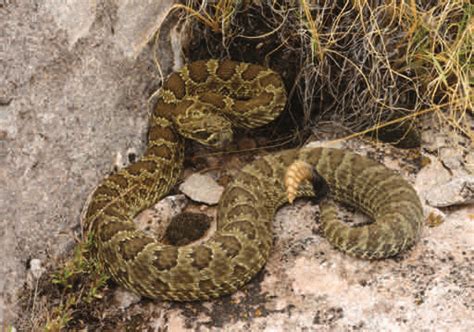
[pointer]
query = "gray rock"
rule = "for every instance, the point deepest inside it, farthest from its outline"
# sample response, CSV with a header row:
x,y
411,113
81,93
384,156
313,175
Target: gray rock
x,y
454,192
433,140
156,219
202,188
124,299
137,22
82,11
430,177
451,158
469,162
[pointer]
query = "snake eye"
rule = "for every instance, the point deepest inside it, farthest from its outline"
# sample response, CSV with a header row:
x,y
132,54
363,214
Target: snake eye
x,y
201,135
206,138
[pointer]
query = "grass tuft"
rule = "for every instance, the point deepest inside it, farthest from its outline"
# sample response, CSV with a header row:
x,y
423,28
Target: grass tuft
x,y
365,65
65,295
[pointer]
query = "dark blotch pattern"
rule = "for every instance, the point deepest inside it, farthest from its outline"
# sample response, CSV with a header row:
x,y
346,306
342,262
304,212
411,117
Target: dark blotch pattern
x,y
270,79
182,276
226,69
229,244
106,191
163,110
250,180
160,285
176,84
166,258
114,212
198,71
214,99
156,132
161,151
202,257
119,180
95,206
251,72
240,270
140,166
149,182
131,247
109,229
156,271
207,285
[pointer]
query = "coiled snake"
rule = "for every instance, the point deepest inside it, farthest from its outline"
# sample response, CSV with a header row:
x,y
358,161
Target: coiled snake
x,y
201,102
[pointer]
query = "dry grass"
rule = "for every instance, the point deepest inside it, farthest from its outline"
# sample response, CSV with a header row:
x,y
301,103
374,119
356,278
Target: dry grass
x,y
363,64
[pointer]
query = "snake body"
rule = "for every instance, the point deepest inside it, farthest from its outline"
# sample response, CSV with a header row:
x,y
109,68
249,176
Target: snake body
x,y
202,102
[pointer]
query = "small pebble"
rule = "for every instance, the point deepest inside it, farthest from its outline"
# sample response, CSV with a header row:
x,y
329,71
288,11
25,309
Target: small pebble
x,y
124,299
202,188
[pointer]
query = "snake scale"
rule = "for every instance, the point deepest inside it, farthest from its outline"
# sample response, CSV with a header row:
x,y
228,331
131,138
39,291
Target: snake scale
x,y
202,102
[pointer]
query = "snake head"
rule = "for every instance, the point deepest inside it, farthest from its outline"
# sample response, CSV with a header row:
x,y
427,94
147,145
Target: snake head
x,y
204,126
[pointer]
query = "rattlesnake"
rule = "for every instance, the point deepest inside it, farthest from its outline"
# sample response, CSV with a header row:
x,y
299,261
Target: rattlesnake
x,y
200,102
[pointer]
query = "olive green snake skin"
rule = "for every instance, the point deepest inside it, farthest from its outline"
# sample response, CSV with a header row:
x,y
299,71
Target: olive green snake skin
x,y
201,102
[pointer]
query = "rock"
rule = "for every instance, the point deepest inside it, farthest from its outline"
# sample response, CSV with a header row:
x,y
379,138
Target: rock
x,y
83,12
170,206
469,163
439,188
451,158
8,126
122,161
156,219
454,192
431,176
433,140
137,22
202,188
124,299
